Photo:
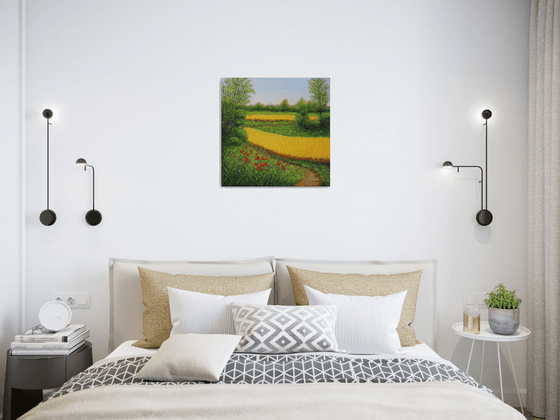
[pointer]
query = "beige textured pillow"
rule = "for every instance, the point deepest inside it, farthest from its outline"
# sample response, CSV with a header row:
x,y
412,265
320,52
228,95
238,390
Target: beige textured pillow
x,y
156,318
364,285
190,357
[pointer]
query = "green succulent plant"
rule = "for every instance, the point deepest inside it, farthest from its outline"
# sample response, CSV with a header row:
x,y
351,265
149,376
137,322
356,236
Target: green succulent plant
x,y
501,298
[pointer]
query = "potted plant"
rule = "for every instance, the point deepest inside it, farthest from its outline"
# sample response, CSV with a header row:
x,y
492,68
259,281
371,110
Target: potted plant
x,y
503,310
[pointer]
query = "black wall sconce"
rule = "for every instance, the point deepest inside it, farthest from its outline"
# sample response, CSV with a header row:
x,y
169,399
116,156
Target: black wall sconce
x,y
93,217
48,217
483,217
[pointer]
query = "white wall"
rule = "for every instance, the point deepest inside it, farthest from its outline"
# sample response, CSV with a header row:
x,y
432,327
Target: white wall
x,y
10,179
135,87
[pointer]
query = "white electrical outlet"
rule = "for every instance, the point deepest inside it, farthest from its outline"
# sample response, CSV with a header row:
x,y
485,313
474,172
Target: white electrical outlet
x,y
74,300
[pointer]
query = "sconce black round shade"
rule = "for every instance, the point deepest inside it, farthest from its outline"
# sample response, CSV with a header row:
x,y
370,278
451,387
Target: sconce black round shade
x,y
81,161
47,113
93,217
447,164
486,114
47,217
484,217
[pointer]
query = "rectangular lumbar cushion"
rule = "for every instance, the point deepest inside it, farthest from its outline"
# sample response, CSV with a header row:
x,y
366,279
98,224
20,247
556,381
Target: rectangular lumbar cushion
x,y
285,329
190,357
364,285
365,324
201,313
156,318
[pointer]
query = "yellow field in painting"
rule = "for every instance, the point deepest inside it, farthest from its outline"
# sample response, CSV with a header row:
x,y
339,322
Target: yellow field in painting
x,y
307,148
275,117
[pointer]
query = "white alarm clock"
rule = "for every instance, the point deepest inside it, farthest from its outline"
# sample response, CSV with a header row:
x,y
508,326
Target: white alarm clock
x,y
55,315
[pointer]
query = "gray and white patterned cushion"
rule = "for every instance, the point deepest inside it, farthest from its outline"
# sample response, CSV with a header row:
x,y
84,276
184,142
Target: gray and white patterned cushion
x,y
285,329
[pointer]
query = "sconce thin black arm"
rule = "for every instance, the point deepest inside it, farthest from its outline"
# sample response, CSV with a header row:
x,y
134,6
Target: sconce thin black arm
x,y
483,217
448,164
486,114
48,217
93,217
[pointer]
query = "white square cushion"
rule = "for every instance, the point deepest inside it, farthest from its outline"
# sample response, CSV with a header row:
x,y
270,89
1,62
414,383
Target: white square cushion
x,y
201,313
365,324
190,357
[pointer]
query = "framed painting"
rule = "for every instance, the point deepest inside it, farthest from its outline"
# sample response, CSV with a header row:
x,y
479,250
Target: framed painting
x,y
275,132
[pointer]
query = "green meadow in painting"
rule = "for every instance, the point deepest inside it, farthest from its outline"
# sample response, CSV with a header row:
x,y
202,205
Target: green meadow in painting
x,y
276,132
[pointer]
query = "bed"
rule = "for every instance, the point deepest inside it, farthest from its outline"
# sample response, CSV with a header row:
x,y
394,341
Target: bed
x,y
412,382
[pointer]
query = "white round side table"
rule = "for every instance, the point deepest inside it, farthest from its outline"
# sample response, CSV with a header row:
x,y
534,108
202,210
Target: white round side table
x,y
486,334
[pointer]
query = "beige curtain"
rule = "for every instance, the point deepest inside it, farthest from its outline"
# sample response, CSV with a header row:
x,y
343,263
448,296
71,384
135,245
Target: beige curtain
x,y
543,305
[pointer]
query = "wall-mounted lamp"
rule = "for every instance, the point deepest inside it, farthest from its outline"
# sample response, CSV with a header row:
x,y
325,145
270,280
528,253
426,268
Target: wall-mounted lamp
x,y
93,217
48,217
483,217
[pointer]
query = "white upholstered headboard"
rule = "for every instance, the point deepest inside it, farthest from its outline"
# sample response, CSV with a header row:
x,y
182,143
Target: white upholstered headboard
x,y
126,295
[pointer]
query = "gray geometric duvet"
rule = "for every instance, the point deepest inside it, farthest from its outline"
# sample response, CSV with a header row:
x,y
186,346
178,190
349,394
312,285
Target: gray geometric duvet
x,y
281,368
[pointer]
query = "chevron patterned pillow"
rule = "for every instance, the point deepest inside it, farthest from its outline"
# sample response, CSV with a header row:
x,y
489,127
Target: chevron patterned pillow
x,y
285,329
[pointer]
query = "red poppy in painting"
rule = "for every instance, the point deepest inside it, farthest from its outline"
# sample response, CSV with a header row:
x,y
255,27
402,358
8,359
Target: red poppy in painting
x,y
278,163
246,161
259,168
265,164
257,158
256,164
283,168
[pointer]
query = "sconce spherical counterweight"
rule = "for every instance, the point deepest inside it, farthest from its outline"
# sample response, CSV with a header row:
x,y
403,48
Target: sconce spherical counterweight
x,y
93,217
484,217
48,217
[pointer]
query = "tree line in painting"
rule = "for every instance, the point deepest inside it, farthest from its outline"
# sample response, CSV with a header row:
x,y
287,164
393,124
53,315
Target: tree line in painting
x,y
275,145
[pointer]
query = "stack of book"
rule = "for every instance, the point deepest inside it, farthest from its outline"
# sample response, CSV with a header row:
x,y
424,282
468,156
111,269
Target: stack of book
x,y
39,341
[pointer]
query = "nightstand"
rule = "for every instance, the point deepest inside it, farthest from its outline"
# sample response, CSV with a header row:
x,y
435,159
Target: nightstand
x,y
27,376
486,334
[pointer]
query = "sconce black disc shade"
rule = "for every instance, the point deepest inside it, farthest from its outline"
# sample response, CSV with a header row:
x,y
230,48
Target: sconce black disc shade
x,y
81,161
47,113
486,114
484,217
47,217
447,164
93,217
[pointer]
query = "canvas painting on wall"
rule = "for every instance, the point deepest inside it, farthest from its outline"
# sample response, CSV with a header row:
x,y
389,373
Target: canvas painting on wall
x,y
275,132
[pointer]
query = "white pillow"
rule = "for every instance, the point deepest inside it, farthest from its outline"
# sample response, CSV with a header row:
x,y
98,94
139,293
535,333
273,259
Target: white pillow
x,y
365,324
200,313
190,357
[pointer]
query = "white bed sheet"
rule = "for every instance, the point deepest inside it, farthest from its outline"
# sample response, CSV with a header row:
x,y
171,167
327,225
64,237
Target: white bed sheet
x,y
420,350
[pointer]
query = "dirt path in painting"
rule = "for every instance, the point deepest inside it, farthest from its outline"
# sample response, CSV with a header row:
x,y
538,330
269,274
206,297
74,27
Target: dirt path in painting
x,y
310,179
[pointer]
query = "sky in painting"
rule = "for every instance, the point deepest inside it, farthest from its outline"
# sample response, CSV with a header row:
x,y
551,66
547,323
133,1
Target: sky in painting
x,y
271,91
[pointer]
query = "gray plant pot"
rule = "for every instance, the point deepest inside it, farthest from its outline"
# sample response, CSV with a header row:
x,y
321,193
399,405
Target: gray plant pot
x,y
503,321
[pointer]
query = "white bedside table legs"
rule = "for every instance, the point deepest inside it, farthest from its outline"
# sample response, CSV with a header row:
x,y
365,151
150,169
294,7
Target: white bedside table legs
x,y
499,368
515,379
482,360
470,355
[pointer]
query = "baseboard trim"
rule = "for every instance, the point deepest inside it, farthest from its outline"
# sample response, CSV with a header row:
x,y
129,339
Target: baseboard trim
x,y
511,398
